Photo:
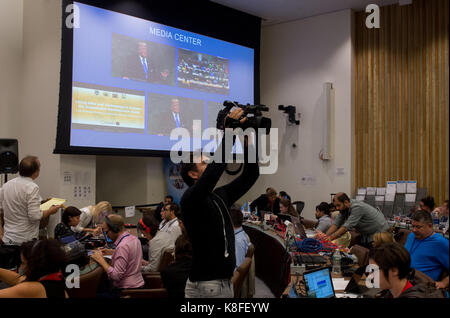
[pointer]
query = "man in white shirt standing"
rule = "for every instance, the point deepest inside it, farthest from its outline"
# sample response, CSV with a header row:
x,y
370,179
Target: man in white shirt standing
x,y
170,223
21,202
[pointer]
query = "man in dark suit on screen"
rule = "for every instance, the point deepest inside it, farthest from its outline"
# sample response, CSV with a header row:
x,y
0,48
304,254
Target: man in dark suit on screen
x,y
172,119
138,66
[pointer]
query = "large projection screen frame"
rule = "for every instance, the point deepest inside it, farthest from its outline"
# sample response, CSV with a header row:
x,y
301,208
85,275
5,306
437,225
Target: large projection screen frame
x,y
244,30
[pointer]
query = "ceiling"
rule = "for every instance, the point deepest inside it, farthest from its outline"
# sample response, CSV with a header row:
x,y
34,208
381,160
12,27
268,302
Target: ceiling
x,y
278,11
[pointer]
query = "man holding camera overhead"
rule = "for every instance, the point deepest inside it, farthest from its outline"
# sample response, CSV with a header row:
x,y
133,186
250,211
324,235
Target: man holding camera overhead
x,y
205,215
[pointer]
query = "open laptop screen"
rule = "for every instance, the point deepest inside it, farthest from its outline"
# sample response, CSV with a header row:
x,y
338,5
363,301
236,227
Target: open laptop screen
x,y
67,239
319,281
109,242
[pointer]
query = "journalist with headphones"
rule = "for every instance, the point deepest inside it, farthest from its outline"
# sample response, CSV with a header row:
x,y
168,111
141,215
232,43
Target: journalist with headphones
x,y
125,268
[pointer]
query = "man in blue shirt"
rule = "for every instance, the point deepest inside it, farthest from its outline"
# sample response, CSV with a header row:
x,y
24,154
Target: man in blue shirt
x,y
429,251
242,242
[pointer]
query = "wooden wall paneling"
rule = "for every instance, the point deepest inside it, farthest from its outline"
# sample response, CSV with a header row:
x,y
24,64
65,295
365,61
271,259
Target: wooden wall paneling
x,y
402,97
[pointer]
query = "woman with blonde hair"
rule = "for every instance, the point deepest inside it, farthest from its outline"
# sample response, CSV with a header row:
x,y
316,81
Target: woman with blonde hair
x,y
381,238
92,216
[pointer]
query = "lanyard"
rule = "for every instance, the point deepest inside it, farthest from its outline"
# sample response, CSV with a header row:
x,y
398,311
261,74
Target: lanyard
x,y
169,224
121,239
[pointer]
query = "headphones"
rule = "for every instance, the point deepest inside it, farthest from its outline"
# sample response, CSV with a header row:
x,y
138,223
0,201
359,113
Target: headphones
x,y
145,227
114,228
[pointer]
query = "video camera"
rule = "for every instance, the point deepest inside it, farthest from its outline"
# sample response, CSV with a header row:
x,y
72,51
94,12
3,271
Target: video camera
x,y
255,121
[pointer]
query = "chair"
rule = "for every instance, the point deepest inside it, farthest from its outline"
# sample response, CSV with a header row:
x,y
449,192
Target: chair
x,y
167,258
153,280
240,274
309,224
299,205
144,293
402,236
355,238
88,284
250,251
248,285
420,277
361,253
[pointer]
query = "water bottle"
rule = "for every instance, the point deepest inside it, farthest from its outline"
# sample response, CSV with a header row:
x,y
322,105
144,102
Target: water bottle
x,y
435,216
336,262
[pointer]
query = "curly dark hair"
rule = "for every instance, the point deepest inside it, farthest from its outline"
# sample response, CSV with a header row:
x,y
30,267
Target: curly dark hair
x,y
324,207
428,202
46,257
69,211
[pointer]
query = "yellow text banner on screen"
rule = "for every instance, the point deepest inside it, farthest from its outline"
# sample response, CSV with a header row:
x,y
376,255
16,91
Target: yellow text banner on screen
x,y
92,106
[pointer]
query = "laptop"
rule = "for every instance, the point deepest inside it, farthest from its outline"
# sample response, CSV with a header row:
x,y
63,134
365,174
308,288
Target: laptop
x,y
285,217
67,239
319,283
355,288
298,227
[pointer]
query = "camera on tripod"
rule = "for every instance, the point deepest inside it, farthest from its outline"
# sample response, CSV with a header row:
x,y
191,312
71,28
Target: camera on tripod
x,y
255,120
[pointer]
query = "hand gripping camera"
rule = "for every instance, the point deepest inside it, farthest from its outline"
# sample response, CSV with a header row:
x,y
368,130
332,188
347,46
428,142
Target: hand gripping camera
x,y
253,113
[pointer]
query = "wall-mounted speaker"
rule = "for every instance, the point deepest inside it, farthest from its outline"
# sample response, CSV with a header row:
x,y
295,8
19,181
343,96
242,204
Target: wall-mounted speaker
x,y
9,156
328,149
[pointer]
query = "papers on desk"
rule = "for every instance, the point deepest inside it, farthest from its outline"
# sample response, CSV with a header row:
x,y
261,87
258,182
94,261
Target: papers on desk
x,y
359,198
53,201
401,186
410,197
411,187
362,191
390,197
391,187
89,253
345,295
340,283
371,191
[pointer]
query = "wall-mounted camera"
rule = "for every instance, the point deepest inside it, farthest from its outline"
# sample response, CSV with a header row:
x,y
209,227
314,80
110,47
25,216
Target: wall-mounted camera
x,y
290,110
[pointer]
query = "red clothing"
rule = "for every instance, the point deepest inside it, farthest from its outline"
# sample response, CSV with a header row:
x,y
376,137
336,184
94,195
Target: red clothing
x,y
407,286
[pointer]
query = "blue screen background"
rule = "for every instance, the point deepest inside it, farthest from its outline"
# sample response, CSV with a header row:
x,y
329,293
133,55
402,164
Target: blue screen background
x,y
92,56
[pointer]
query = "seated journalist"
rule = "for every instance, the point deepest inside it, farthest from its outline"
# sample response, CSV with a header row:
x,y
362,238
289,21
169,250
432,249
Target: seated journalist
x,y
393,262
125,268
429,250
40,274
158,242
268,202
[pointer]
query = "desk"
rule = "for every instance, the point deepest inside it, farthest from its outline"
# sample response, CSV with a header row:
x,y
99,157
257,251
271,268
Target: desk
x,y
339,283
270,258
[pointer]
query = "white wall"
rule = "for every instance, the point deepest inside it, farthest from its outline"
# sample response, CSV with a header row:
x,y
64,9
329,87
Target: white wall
x,y
11,23
38,110
11,27
130,180
297,58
